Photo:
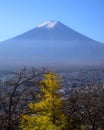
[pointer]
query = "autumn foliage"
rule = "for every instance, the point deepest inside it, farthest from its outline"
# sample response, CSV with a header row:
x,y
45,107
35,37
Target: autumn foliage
x,y
39,100
48,111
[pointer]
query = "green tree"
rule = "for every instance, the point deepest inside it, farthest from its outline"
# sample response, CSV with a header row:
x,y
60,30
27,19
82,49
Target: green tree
x,y
48,112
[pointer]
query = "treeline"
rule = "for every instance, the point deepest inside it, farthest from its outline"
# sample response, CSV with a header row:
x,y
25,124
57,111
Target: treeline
x,y
35,100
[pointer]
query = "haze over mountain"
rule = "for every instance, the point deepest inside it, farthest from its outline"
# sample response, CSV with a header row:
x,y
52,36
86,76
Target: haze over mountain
x,y
51,44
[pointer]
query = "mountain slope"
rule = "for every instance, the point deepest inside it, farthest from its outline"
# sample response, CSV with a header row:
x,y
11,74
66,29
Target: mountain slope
x,y
51,44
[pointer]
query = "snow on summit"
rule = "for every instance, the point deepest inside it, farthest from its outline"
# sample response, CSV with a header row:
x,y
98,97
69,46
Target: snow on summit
x,y
48,24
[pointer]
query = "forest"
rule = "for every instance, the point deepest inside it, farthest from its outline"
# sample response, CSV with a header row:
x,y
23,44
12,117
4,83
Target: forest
x,y
35,100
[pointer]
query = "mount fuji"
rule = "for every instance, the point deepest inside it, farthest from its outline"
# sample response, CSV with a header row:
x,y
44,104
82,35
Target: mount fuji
x,y
51,44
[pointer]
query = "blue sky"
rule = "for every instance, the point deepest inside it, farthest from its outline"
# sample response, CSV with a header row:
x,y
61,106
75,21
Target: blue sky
x,y
84,16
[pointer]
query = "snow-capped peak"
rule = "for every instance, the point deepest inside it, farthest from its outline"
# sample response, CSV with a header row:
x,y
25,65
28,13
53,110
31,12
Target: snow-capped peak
x,y
48,24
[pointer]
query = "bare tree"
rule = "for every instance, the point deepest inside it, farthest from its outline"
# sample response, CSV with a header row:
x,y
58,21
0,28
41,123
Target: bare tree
x,y
73,110
16,95
85,107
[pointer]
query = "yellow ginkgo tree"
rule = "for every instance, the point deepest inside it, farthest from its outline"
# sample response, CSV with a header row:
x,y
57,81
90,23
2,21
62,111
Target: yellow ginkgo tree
x,y
48,112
